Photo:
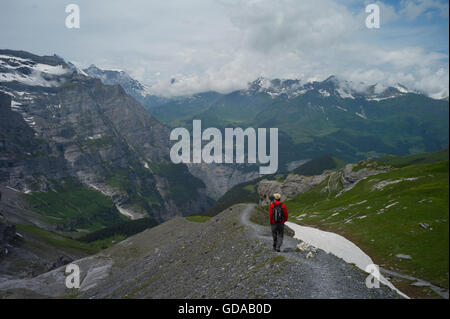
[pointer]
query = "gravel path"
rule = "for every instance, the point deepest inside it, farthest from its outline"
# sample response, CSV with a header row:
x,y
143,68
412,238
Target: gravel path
x,y
323,275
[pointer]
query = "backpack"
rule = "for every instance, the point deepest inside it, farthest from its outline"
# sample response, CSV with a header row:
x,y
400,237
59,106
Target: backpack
x,y
277,213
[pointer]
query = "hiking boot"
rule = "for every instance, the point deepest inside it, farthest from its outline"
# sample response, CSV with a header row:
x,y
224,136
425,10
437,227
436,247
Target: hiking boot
x,y
278,249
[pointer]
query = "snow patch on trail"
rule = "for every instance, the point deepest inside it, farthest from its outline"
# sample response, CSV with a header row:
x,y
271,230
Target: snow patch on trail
x,y
338,246
332,243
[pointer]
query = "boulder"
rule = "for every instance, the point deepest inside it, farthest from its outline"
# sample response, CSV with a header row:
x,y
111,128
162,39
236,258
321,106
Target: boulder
x,y
292,186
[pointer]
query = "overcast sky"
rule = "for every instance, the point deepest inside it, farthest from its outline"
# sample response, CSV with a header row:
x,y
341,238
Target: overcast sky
x,y
222,44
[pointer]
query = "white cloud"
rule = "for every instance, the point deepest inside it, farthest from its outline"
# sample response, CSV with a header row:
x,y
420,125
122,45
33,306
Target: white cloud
x,y
222,44
289,24
310,40
414,8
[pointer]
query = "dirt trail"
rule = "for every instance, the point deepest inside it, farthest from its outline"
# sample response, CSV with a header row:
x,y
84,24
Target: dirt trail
x,y
326,278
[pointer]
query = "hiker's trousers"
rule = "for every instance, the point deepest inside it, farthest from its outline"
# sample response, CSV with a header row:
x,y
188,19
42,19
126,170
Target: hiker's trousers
x,y
277,234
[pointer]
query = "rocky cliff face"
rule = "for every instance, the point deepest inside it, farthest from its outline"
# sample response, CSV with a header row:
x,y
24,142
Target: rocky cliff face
x,y
56,123
293,185
336,181
219,178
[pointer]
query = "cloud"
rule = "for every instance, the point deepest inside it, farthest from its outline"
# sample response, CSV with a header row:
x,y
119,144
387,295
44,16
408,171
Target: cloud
x,y
311,41
388,13
289,24
221,45
415,8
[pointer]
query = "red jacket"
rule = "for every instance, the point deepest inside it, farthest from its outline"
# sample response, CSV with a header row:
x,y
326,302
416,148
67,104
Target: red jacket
x,y
284,211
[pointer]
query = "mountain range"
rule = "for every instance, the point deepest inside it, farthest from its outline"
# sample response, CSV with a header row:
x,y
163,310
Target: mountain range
x,y
351,121
84,165
322,117
59,125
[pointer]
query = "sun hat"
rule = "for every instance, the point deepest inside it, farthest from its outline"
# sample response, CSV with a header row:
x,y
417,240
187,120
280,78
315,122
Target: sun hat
x,y
277,196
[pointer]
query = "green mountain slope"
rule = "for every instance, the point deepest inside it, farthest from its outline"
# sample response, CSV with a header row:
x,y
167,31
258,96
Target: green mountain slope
x,y
72,206
317,165
400,161
403,211
321,121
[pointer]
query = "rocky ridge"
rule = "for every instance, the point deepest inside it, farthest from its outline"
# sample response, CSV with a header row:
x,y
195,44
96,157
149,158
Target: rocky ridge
x,y
229,256
343,180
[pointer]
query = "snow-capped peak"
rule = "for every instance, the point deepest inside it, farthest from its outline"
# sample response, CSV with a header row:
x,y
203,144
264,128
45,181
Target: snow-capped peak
x,y
16,66
401,88
274,87
118,77
332,87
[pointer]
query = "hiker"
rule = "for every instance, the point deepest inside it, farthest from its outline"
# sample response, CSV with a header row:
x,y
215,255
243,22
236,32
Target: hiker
x,y
278,216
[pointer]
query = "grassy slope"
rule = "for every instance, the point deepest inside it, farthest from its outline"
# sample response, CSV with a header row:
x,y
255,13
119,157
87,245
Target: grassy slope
x,y
124,229
198,219
318,165
87,244
55,240
401,161
73,206
393,214
139,185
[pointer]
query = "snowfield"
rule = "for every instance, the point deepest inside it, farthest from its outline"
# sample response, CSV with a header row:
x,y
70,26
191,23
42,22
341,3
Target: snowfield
x,y
30,73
